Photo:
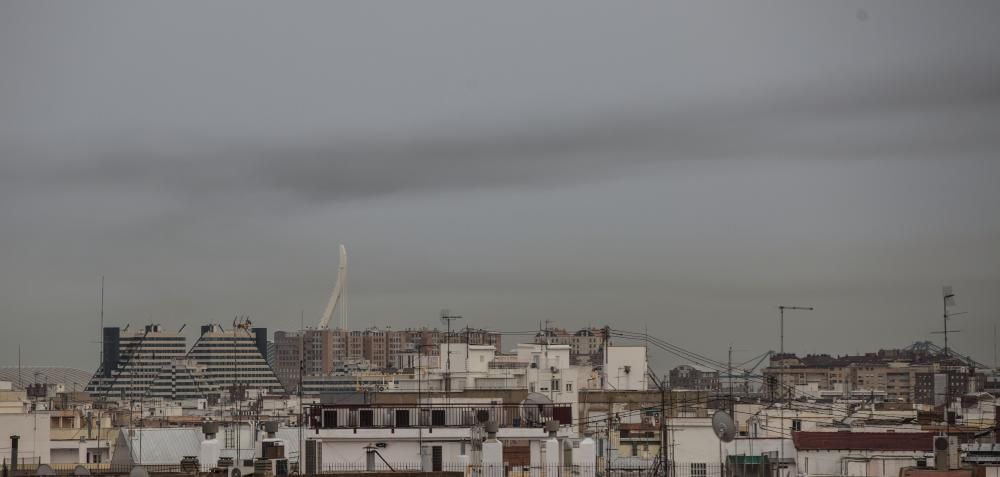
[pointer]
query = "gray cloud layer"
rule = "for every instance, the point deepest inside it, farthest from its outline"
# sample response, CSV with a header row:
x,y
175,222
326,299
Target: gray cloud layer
x,y
681,165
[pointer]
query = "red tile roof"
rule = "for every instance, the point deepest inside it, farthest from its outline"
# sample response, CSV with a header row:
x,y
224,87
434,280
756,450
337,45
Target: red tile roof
x,y
878,441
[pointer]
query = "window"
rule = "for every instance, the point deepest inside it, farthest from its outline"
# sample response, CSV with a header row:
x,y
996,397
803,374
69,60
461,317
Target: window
x,y
569,387
635,450
699,469
796,424
230,436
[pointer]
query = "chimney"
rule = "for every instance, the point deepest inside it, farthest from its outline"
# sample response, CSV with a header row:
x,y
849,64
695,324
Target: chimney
x,y
585,455
13,454
492,448
271,428
553,448
209,453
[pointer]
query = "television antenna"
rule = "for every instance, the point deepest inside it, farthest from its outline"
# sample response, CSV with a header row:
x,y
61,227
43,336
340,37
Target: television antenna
x,y
447,318
948,301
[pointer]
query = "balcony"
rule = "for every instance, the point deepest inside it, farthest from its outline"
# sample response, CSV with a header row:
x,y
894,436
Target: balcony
x,y
376,416
507,365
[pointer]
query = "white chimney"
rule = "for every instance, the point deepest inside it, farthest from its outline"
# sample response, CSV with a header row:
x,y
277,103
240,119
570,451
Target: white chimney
x,y
492,451
82,453
208,454
585,456
553,448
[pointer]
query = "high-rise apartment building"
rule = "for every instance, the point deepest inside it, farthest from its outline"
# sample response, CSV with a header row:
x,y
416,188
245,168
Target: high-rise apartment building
x,y
892,375
326,351
236,359
132,360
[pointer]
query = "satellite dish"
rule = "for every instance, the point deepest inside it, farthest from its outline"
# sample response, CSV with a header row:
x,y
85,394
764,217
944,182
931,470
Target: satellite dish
x,y
138,471
532,407
536,398
724,427
44,470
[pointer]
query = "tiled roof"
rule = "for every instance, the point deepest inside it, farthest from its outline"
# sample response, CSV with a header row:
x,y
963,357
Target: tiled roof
x,y
877,441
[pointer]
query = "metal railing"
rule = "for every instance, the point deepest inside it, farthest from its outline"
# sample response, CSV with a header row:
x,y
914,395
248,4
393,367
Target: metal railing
x,y
439,415
616,469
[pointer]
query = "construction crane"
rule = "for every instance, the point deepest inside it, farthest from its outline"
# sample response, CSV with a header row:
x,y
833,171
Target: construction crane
x,y
338,299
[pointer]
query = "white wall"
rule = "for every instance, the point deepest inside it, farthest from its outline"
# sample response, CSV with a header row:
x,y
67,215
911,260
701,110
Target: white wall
x,y
34,431
544,356
694,440
459,355
855,462
480,357
626,368
344,447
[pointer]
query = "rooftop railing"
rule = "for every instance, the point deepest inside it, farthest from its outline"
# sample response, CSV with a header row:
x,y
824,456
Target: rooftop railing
x,y
378,416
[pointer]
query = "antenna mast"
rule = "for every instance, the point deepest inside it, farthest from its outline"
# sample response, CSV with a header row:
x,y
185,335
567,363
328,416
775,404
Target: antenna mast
x,y
447,317
781,371
101,335
948,301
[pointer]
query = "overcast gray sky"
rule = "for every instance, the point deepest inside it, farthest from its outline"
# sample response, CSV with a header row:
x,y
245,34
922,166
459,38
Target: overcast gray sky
x,y
681,167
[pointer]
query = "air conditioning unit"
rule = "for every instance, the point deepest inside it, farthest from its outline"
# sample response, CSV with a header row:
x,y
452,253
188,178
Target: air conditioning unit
x,y
225,468
270,467
314,457
942,451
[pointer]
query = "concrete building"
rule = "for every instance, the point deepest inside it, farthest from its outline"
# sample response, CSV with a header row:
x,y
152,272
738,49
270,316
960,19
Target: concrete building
x,y
937,388
893,375
860,453
81,435
625,368
30,421
133,360
183,379
586,345
235,360
444,433
694,377
326,351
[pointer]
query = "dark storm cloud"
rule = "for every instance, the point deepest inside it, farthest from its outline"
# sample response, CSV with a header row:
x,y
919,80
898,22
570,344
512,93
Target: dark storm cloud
x,y
892,119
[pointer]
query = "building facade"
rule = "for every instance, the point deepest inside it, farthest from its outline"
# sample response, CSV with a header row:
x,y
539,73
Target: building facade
x,y
235,360
321,352
694,378
131,361
892,375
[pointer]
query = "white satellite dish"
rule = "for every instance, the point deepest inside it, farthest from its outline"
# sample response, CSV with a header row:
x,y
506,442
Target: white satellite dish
x,y
724,427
